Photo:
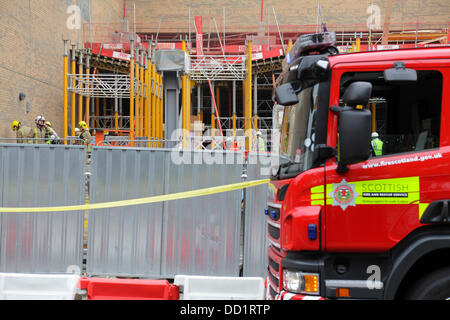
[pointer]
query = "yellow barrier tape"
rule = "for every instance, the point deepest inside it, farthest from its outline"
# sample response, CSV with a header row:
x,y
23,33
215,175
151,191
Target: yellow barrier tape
x,y
134,202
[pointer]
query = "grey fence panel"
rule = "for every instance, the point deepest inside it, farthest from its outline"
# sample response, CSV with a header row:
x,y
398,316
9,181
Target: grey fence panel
x,y
255,244
201,235
41,176
125,241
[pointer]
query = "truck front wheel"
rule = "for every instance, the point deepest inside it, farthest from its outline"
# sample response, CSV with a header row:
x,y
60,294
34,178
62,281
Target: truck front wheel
x,y
434,286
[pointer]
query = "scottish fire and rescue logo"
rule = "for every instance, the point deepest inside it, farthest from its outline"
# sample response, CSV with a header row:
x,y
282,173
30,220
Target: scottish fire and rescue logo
x,y
344,194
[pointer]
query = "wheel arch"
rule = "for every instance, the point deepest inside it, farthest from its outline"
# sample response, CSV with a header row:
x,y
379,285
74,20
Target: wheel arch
x,y
419,252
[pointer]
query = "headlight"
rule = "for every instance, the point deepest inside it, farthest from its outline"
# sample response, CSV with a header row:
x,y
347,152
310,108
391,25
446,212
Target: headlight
x,y
301,282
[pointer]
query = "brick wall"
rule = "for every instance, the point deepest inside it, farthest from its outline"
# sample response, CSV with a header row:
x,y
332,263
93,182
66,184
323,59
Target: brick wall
x,y
100,10
248,13
31,61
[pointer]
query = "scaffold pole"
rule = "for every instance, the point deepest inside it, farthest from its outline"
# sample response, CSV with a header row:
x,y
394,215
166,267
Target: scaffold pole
x,y
132,92
73,98
80,97
66,54
88,97
248,99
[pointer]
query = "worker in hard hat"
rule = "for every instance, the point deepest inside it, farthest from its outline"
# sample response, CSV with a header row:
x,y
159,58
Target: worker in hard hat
x,y
21,131
261,146
39,133
85,135
52,136
377,145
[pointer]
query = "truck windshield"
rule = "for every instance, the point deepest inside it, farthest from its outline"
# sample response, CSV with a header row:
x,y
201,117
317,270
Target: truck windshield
x,y
298,129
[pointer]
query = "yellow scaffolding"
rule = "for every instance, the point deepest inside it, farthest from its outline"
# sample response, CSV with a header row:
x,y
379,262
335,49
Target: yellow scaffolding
x,y
247,88
88,97
141,95
132,94
73,98
185,102
157,114
153,107
159,117
161,107
137,93
146,99
80,97
66,53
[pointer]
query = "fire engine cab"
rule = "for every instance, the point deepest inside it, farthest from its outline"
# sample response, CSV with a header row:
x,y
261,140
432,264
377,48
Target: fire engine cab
x,y
359,205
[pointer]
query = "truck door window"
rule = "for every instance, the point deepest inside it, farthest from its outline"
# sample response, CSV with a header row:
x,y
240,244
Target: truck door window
x,y
298,130
406,117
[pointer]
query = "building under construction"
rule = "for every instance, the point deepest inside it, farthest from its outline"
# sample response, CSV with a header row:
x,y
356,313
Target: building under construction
x,y
210,79
216,68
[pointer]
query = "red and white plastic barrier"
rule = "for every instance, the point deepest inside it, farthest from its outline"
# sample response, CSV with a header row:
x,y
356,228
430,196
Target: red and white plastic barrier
x,y
128,289
72,286
17,286
220,288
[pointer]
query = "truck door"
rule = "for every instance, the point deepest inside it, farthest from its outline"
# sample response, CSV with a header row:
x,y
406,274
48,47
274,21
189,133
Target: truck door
x,y
378,202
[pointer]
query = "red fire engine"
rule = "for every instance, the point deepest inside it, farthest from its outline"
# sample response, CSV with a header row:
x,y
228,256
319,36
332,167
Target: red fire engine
x,y
359,205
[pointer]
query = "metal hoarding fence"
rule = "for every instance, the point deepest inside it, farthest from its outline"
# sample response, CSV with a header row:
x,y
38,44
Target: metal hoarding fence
x,y
198,235
201,235
255,240
38,176
125,241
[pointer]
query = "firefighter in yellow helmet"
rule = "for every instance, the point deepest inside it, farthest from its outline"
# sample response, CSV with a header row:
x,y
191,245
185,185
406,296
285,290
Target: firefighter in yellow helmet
x,y
52,136
21,131
85,135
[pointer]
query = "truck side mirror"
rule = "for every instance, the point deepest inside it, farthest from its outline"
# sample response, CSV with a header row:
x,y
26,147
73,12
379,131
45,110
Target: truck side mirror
x,y
354,126
353,141
285,95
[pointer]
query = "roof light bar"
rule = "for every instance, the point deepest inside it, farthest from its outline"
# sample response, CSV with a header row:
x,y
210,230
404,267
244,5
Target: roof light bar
x,y
311,42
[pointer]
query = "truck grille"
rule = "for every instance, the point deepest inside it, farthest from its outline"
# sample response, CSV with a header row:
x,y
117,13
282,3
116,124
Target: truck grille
x,y
274,272
274,265
274,279
273,293
274,232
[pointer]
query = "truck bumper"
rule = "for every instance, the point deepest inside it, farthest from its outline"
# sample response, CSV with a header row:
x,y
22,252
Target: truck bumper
x,y
272,294
285,295
342,275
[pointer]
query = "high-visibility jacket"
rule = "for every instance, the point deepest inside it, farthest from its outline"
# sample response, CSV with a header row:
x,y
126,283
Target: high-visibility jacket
x,y
261,145
377,146
37,135
51,132
86,137
22,134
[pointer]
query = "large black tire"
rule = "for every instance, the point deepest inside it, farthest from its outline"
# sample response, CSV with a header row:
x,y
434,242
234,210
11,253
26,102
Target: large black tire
x,y
433,286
